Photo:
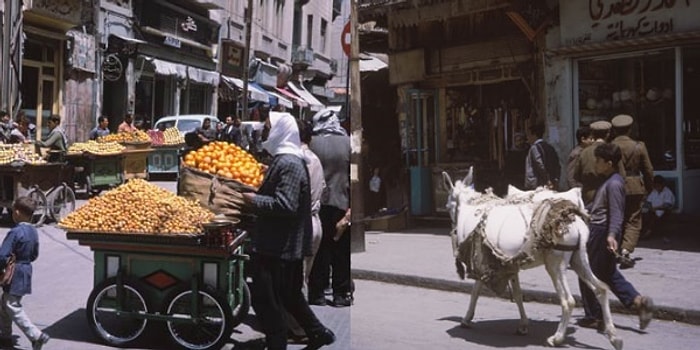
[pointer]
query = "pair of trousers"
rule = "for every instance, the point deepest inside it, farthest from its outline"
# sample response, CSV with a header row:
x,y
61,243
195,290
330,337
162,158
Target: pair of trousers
x,y
633,221
604,267
276,288
333,255
12,311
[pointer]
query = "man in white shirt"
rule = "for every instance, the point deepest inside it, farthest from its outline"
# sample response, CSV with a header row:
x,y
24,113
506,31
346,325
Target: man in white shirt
x,y
659,202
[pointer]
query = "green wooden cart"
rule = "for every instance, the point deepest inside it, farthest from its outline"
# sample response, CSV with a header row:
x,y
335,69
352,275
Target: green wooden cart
x,y
194,285
97,172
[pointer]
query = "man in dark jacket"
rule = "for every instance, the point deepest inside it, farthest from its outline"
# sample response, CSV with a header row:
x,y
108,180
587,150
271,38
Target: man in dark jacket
x,y
282,237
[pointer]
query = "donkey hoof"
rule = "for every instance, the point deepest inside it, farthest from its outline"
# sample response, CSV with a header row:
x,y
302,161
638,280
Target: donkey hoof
x,y
616,343
522,330
466,324
555,340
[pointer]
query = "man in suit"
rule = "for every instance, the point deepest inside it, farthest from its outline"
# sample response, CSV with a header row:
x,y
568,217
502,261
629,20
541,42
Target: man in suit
x,y
232,131
638,174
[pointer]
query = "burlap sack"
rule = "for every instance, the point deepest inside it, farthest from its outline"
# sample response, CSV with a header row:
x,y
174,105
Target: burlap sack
x,y
221,196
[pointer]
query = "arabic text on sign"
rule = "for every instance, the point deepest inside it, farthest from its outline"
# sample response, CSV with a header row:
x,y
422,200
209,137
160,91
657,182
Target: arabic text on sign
x,y
170,41
601,9
643,27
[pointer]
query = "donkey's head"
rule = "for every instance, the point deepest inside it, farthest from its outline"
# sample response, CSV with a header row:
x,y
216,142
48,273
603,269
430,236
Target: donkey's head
x,y
460,191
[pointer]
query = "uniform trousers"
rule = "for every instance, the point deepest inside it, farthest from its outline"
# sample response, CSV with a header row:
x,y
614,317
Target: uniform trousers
x,y
276,287
604,267
633,221
331,254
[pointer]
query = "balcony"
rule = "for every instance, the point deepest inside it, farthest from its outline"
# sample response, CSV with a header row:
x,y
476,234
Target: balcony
x,y
211,4
302,57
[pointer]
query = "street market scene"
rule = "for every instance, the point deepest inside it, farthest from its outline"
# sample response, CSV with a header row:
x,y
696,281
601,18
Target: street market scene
x,y
349,174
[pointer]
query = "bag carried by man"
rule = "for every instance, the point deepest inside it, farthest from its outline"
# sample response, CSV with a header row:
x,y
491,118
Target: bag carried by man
x,y
8,272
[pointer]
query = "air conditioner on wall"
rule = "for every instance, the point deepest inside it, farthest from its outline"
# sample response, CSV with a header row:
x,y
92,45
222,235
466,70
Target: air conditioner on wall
x,y
303,56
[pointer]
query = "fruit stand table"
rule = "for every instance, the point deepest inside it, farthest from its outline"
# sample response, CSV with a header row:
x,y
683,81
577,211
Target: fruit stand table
x,y
135,163
139,278
97,171
164,159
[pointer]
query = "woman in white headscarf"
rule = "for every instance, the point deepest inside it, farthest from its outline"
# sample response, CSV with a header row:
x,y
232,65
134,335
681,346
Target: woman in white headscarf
x,y
282,238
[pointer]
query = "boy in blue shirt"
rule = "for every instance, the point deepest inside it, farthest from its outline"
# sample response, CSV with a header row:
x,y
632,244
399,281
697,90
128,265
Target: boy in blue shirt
x,y
23,242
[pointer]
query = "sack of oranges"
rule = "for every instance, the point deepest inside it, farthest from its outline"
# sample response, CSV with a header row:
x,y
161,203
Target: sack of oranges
x,y
227,161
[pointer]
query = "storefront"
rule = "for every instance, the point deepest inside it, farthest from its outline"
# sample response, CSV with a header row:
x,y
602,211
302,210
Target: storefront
x,y
638,60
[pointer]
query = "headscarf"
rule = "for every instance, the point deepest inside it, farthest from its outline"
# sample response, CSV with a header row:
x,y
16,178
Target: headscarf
x,y
284,135
327,122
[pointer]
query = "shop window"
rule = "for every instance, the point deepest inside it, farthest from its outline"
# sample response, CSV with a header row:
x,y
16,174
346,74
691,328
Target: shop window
x,y
197,98
691,107
638,84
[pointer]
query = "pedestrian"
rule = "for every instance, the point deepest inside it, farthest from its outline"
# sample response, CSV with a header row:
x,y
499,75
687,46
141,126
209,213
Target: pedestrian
x,y
232,130
6,126
127,125
102,128
584,170
606,221
583,137
657,206
515,161
375,192
638,172
331,144
542,162
23,242
20,134
205,133
282,237
57,141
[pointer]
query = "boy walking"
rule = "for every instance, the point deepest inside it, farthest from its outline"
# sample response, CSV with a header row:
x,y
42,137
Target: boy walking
x,y
607,215
23,242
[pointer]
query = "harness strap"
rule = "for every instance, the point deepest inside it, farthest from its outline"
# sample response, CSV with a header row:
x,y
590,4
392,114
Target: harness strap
x,y
565,248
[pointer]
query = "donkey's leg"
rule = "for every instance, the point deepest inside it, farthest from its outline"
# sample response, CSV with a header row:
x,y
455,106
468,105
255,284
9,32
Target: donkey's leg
x,y
580,264
554,263
523,327
467,320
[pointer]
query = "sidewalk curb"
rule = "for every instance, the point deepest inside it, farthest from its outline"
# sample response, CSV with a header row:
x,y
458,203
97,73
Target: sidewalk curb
x,y
663,312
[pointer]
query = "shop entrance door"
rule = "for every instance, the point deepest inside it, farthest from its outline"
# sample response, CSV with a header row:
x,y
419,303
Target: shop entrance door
x,y
420,133
38,96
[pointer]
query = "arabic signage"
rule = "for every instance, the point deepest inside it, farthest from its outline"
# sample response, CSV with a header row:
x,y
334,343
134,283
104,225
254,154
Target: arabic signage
x,y
232,60
586,21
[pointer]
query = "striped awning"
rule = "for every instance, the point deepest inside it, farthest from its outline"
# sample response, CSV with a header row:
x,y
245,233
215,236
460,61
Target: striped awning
x,y
652,42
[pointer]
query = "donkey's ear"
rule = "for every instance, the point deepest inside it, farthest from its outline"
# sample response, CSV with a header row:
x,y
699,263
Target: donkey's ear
x,y
447,182
470,176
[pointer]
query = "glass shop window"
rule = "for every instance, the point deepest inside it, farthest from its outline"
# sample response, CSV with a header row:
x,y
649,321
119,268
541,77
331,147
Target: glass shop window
x,y
641,85
691,107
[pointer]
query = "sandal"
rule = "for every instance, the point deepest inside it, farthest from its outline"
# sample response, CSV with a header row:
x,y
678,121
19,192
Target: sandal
x,y
646,311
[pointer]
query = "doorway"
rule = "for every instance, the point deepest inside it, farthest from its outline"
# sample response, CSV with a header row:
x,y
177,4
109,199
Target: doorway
x,y
39,86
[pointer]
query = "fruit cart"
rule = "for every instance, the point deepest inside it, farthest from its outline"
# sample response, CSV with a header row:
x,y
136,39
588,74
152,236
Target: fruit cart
x,y
164,160
192,283
135,160
96,172
46,183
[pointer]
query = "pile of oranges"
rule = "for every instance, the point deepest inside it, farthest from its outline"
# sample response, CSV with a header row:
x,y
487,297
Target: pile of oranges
x,y
228,161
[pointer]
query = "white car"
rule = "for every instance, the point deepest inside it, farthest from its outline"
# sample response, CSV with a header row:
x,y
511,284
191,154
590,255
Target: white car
x,y
185,123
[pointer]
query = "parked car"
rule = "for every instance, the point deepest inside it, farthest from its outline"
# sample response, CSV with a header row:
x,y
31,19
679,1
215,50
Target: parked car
x,y
184,123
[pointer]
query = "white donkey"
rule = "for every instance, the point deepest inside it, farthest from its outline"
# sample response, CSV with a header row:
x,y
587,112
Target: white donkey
x,y
505,226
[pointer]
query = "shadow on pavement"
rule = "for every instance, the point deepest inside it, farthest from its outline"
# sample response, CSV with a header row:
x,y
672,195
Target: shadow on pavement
x,y
501,333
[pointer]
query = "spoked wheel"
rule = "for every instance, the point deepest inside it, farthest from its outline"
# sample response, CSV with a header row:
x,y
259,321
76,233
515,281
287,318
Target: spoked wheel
x,y
208,325
39,198
108,309
62,203
241,297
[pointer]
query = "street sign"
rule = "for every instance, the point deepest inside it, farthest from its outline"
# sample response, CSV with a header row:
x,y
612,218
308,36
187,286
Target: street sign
x,y
345,39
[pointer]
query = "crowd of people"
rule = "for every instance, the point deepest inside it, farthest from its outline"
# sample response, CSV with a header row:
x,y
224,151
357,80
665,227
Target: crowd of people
x,y
621,194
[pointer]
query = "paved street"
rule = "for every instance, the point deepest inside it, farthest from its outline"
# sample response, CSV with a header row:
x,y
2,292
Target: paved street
x,y
63,280
429,319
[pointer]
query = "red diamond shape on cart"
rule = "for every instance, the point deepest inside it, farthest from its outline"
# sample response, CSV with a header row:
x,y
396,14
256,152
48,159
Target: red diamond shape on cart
x,y
161,279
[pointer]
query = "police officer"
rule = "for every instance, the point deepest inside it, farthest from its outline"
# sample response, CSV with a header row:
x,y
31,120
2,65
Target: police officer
x,y
584,170
636,167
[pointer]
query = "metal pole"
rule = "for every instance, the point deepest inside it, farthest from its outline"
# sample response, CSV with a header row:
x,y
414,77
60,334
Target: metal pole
x,y
6,102
356,167
246,58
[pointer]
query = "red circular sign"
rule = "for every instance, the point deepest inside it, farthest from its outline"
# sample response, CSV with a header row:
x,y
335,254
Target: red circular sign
x,y
345,39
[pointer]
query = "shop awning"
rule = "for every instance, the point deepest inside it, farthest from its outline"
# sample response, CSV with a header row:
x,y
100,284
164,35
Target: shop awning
x,y
203,76
292,97
127,39
254,93
168,68
281,100
314,104
373,62
643,43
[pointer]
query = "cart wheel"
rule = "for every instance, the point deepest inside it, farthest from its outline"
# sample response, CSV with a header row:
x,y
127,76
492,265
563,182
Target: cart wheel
x,y
104,312
209,326
242,302
39,198
63,203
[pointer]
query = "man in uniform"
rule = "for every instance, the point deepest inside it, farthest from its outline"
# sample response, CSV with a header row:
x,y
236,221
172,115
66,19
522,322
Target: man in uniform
x,y
584,170
636,167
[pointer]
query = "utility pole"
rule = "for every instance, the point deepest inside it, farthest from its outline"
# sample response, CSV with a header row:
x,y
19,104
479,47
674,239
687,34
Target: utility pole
x,y
356,167
246,59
